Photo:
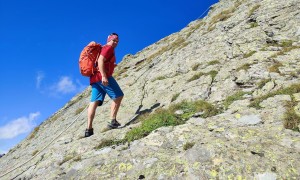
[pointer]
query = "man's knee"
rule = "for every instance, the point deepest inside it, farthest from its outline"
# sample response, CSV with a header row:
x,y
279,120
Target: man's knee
x,y
119,99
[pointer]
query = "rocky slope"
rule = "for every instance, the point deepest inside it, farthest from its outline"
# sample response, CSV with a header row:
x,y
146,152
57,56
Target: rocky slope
x,y
243,59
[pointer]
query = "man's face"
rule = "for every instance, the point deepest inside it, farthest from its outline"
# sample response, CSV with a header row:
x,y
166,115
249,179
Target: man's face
x,y
115,42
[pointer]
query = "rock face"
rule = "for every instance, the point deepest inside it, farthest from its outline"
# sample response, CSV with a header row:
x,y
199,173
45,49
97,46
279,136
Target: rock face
x,y
243,58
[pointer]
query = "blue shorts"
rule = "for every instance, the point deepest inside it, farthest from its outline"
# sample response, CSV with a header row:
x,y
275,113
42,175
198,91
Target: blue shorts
x,y
99,91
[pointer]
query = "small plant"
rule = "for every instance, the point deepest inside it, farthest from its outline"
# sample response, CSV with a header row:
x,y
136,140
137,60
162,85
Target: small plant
x,y
295,88
160,78
286,45
253,24
213,62
34,152
230,99
175,96
244,67
188,145
195,77
253,9
291,119
77,158
190,108
195,27
275,67
118,73
106,143
249,54
34,132
154,121
54,117
195,67
213,74
224,15
66,159
262,83
79,110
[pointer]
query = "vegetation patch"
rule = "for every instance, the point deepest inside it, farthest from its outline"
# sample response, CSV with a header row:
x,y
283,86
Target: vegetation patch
x,y
244,67
118,73
160,78
195,66
34,152
286,45
190,108
253,9
224,15
175,96
249,54
178,43
230,99
291,119
295,88
66,159
213,74
275,67
34,132
79,110
164,117
196,76
213,62
195,27
253,24
107,142
262,83
188,145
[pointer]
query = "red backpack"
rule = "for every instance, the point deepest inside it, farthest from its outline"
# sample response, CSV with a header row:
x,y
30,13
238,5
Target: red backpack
x,y
88,58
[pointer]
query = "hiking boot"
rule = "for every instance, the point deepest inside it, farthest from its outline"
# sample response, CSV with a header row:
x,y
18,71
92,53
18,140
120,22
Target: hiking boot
x,y
88,132
114,124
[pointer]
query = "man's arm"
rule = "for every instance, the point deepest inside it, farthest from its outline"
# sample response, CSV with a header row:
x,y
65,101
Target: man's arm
x,y
101,61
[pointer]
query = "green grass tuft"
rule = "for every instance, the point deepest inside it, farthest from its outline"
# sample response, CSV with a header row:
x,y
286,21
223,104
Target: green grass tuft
x,y
230,99
175,96
188,145
213,62
163,118
295,88
154,121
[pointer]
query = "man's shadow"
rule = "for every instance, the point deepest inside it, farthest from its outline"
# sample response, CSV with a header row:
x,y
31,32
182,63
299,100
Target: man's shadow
x,y
139,112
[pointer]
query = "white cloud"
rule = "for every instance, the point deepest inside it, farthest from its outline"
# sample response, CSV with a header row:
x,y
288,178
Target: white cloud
x,y
39,78
18,126
64,85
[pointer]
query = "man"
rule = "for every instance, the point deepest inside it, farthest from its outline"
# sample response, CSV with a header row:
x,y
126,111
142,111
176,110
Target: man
x,y
103,83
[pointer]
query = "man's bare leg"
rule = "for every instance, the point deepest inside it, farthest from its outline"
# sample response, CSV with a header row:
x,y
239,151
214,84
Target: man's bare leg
x,y
115,107
91,113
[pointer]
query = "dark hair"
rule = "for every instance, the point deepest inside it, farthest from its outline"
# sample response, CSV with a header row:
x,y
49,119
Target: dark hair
x,y
114,34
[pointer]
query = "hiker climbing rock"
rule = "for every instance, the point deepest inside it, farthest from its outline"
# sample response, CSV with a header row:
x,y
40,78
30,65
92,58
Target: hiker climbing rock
x,y
103,83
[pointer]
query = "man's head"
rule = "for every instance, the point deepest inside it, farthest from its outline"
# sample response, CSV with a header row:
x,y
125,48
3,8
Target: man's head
x,y
113,39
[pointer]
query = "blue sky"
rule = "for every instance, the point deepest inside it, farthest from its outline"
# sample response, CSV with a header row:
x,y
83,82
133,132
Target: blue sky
x,y
40,43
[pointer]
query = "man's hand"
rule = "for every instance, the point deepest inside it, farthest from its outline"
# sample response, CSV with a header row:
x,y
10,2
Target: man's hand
x,y
104,81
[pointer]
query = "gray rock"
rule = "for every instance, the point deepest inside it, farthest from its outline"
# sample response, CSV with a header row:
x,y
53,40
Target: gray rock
x,y
249,120
266,176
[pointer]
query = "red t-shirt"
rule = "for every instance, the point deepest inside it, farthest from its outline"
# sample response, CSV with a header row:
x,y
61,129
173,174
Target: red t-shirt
x,y
108,52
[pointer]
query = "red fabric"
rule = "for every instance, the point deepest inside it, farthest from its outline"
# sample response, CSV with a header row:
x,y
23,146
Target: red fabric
x,y
108,53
